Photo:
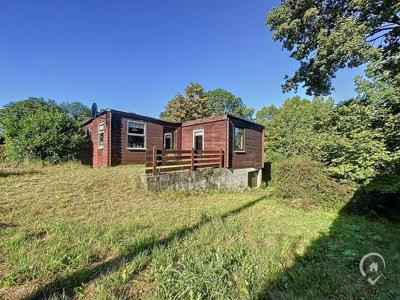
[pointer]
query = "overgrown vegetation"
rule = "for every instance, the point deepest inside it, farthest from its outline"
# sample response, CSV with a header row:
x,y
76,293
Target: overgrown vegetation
x,y
330,35
36,129
140,245
307,184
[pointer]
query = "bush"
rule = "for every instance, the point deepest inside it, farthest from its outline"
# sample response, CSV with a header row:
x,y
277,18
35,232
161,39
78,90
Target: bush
x,y
379,198
41,130
306,183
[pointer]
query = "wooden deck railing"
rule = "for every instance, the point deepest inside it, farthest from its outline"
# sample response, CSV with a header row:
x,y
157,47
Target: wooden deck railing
x,y
175,160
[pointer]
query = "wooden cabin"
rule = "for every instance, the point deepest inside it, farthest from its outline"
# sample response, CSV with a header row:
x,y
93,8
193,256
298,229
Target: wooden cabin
x,y
123,138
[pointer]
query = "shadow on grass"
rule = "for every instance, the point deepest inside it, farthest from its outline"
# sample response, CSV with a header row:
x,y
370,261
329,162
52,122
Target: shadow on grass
x,y
329,269
66,285
8,173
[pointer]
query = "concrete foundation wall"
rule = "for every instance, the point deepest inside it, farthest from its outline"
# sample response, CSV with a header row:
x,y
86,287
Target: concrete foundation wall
x,y
205,179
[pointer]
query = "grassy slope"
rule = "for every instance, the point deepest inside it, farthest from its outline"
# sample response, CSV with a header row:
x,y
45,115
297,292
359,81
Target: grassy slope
x,y
74,231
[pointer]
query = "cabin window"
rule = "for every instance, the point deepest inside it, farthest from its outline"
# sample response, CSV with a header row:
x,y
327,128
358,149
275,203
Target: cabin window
x,y
100,136
198,139
136,135
168,141
239,139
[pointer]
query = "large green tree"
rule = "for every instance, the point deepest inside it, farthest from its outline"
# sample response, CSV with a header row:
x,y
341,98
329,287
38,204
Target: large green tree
x,y
220,101
293,129
39,129
325,36
191,106
365,131
197,103
76,110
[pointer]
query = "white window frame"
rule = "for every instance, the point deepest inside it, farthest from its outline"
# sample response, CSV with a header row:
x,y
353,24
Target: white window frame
x,y
244,140
170,134
98,135
135,134
202,135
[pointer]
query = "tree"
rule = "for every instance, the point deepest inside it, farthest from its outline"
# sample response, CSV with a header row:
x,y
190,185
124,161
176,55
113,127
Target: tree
x,y
221,102
265,115
76,110
39,129
365,132
191,106
293,129
325,36
12,114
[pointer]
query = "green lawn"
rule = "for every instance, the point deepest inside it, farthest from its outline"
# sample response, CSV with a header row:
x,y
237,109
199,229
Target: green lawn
x,y
72,231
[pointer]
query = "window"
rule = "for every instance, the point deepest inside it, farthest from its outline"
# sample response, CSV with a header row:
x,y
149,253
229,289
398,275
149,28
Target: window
x,y
100,136
136,135
198,139
168,141
239,139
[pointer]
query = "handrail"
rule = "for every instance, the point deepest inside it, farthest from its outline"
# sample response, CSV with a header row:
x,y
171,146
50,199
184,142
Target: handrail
x,y
158,161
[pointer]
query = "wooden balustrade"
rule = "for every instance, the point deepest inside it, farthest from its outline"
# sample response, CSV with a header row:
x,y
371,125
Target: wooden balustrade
x,y
158,161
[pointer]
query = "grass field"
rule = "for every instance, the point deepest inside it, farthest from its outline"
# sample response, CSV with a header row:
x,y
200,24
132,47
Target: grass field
x,y
74,232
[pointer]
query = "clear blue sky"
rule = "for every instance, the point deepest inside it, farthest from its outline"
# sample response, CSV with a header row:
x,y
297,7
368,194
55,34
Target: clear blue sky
x,y
136,55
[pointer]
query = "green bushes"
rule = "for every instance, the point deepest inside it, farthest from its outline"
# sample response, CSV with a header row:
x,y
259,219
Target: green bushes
x,y
306,183
35,129
379,198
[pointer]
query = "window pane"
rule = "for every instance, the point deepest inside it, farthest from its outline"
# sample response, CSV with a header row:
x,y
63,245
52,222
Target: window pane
x,y
168,142
101,140
101,127
136,128
135,142
239,139
198,142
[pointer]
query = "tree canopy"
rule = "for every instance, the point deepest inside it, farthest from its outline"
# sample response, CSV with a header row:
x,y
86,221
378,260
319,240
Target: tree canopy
x,y
191,106
325,36
76,110
38,129
221,102
197,103
292,129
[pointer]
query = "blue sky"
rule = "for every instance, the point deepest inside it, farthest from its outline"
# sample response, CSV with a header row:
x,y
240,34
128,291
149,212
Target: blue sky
x,y
136,55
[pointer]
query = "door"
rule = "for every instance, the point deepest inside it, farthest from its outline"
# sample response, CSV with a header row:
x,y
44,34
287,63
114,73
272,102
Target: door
x,y
198,139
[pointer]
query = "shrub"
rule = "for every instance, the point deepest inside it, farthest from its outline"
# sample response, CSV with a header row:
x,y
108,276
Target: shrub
x,y
306,183
38,130
379,198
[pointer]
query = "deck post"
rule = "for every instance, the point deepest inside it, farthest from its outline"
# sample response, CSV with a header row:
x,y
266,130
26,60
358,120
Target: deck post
x,y
221,158
192,160
154,160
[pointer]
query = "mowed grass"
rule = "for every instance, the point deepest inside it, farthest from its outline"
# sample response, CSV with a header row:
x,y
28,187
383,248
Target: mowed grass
x,y
74,232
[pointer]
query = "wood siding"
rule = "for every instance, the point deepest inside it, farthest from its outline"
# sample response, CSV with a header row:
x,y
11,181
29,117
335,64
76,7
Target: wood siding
x,y
214,135
218,134
253,156
155,130
99,157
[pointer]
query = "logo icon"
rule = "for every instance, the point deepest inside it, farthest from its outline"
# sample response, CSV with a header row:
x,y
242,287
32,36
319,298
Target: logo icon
x,y
370,264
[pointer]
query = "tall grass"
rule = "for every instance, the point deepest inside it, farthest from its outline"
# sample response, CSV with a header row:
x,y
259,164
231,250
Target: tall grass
x,y
71,231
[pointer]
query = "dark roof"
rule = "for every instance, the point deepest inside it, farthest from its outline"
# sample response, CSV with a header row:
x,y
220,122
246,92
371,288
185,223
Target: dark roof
x,y
173,123
217,118
134,116
245,120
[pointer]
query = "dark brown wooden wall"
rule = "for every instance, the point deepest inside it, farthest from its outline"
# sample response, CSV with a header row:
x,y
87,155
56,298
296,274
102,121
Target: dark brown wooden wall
x,y
99,157
214,135
218,134
254,141
155,130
